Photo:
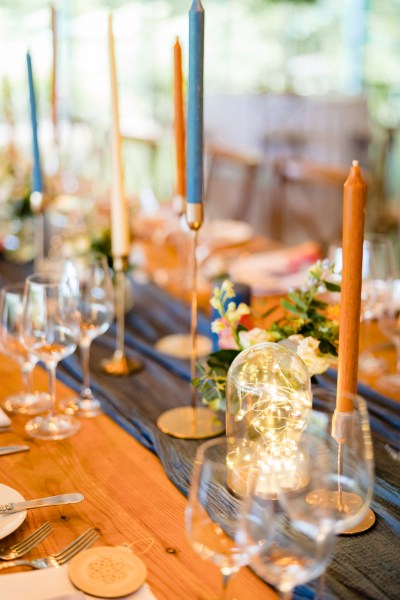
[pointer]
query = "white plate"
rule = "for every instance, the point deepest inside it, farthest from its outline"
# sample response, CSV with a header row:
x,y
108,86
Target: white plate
x,y
9,523
224,233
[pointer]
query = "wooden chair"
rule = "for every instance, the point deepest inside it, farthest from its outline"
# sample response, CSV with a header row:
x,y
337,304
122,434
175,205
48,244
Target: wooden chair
x,y
308,194
248,164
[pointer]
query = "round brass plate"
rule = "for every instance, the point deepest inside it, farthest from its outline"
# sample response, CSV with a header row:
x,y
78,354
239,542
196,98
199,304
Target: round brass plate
x,y
179,345
121,366
365,524
191,423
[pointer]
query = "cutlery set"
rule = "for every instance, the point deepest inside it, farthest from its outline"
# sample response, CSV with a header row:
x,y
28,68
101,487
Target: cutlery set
x,y
11,554
58,558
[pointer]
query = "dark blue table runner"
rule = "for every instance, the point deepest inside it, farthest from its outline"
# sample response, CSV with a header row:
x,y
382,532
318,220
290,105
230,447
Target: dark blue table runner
x,y
366,566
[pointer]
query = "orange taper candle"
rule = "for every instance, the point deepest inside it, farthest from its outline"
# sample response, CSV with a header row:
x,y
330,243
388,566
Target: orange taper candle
x,y
350,298
179,122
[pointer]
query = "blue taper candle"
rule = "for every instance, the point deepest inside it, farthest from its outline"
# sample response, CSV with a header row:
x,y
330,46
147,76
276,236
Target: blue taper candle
x,y
195,105
37,182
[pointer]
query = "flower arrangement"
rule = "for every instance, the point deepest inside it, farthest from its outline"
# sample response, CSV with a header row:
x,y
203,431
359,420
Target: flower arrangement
x,y
310,326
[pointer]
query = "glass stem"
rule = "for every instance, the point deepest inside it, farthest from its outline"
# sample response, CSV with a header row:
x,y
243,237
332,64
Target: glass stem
x,y
51,367
27,379
85,351
225,582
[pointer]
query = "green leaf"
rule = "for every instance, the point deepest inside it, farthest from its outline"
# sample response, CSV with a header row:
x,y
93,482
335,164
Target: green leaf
x,y
293,309
222,358
269,312
332,287
298,300
318,304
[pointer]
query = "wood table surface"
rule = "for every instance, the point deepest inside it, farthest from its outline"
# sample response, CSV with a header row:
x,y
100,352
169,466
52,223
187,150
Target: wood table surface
x,y
128,496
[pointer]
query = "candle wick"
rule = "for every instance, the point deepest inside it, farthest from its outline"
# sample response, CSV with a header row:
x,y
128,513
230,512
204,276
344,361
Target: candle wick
x,y
355,163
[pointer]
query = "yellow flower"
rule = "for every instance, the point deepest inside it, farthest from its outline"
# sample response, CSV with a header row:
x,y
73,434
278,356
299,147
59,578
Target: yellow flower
x,y
333,312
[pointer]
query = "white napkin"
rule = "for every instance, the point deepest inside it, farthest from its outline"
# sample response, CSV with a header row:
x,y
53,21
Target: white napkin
x,y
52,584
4,420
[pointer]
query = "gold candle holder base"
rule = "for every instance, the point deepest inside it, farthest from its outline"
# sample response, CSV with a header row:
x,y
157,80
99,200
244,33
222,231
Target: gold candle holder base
x,y
345,501
365,524
120,366
190,423
179,345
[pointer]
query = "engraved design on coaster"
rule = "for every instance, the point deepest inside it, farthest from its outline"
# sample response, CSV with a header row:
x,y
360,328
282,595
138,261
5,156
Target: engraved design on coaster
x,y
107,571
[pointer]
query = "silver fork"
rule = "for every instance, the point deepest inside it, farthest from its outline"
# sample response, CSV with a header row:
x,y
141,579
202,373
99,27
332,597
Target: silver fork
x,y
25,545
59,558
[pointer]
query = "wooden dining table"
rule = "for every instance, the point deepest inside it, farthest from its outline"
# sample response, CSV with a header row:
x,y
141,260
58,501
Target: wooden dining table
x,y
127,497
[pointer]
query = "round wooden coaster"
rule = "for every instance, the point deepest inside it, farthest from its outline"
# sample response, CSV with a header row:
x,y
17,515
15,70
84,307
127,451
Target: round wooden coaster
x,y
108,572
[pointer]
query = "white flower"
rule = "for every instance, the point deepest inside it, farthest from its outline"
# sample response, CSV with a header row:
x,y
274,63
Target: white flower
x,y
307,349
255,336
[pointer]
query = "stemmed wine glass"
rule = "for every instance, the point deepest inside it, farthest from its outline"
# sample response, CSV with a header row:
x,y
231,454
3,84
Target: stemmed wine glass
x,y
28,401
389,324
377,272
95,301
213,511
50,329
301,537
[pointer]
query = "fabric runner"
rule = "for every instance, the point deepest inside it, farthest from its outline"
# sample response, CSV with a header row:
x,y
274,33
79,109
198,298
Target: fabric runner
x,y
364,566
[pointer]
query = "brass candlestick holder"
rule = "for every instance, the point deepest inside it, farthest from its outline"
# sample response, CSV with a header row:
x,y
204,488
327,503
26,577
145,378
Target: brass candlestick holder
x,y
192,422
119,364
37,208
179,345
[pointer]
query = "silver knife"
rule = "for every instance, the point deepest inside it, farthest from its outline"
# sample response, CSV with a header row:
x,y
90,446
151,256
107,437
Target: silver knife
x,y
12,449
14,507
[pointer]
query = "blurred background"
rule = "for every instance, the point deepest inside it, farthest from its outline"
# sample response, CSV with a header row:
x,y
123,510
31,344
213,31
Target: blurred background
x,y
294,91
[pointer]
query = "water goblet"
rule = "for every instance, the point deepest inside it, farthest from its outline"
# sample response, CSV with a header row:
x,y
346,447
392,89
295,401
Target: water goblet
x,y
377,272
389,323
301,537
94,292
28,401
50,329
213,511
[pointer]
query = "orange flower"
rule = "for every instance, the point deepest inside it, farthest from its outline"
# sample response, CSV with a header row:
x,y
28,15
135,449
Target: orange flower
x,y
333,312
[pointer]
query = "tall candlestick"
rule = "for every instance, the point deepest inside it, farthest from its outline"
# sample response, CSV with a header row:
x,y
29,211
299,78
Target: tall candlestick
x,y
37,181
120,242
180,153
195,117
54,72
350,302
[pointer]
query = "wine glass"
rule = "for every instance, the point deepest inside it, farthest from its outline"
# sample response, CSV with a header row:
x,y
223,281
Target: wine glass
x,y
213,510
300,542
50,329
389,324
95,311
27,401
377,272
